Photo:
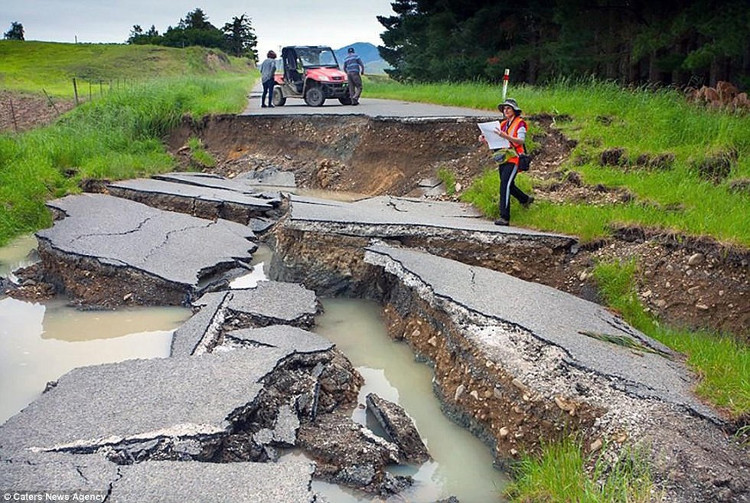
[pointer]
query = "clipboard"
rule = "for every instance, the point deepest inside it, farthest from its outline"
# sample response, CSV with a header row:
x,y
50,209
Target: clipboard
x,y
494,141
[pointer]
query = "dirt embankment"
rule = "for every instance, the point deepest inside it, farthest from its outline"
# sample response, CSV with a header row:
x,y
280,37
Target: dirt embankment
x,y
685,281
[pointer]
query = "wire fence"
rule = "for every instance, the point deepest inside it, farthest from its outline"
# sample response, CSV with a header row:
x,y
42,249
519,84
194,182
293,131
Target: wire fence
x,y
20,111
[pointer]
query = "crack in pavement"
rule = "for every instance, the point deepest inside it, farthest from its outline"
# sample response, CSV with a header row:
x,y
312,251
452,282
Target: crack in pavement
x,y
172,232
104,234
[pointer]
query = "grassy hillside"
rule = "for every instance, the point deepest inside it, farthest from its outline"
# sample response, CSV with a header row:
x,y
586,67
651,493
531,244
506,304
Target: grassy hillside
x,y
33,66
117,135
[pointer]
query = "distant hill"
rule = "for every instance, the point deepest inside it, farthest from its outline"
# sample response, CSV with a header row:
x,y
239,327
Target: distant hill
x,y
369,54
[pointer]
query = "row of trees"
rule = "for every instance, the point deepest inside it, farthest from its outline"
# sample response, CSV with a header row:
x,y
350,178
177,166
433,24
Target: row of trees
x,y
632,41
236,37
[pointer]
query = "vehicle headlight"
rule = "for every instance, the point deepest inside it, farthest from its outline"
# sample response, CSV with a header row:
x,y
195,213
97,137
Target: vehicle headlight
x,y
324,78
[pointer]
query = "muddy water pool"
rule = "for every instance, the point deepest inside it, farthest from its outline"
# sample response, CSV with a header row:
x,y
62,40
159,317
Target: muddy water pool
x,y
39,342
461,464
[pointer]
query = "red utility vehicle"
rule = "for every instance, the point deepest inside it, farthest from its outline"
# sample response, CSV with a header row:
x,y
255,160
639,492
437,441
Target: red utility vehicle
x,y
310,72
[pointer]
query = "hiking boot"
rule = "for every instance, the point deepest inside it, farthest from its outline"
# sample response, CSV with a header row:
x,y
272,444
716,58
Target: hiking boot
x,y
528,202
502,221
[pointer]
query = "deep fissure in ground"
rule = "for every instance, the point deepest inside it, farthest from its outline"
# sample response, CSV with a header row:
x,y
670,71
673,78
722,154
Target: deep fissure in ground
x,y
684,281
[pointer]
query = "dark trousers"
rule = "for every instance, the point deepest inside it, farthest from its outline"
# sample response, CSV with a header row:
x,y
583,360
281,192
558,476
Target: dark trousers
x,y
267,88
508,172
355,86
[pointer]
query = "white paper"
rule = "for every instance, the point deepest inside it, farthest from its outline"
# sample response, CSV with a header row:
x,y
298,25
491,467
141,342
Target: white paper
x,y
494,140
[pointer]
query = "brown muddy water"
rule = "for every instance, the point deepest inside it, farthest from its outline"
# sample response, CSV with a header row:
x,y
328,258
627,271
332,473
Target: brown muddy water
x,y
39,342
461,464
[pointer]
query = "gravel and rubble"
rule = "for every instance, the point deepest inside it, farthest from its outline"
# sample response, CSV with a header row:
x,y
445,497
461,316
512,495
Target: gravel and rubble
x,y
399,427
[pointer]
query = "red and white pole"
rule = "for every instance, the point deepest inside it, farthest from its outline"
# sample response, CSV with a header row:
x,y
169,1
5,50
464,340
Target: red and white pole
x,y
506,77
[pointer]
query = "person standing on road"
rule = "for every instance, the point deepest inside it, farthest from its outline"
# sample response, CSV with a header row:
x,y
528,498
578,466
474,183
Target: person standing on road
x,y
513,129
354,68
267,69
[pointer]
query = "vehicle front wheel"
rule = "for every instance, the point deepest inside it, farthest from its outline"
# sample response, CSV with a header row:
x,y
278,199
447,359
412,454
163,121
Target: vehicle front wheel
x,y
314,97
345,100
278,99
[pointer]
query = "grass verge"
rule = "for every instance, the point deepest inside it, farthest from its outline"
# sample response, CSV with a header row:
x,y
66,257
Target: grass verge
x,y
116,137
562,474
688,167
721,362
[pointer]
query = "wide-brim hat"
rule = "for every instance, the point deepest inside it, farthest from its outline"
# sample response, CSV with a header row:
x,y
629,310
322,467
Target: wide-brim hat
x,y
510,102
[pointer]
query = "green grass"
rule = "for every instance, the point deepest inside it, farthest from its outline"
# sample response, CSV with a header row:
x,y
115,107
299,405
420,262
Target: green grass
x,y
33,66
198,155
721,362
562,474
448,178
602,116
116,137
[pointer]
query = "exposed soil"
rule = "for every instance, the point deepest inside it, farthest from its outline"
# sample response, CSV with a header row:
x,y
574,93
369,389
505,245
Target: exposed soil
x,y
684,281
21,112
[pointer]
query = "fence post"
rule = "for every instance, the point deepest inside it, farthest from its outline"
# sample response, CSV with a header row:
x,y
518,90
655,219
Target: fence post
x,y
13,114
506,76
50,101
75,90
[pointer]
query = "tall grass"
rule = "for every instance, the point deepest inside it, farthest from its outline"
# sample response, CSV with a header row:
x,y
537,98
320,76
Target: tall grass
x,y
562,474
721,362
600,116
119,136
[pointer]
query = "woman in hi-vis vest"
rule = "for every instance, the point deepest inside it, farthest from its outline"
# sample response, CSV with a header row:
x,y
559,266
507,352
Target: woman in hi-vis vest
x,y
513,129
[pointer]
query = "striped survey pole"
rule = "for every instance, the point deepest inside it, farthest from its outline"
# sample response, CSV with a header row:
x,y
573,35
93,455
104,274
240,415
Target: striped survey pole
x,y
506,76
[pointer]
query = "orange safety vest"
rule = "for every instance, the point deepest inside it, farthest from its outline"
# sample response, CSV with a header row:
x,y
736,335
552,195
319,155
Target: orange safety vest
x,y
512,130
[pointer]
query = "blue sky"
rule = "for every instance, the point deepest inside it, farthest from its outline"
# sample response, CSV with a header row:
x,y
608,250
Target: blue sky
x,y
276,22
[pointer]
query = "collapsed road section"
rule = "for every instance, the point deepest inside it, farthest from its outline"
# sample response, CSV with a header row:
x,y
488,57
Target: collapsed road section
x,y
327,237
200,195
107,250
227,411
516,362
